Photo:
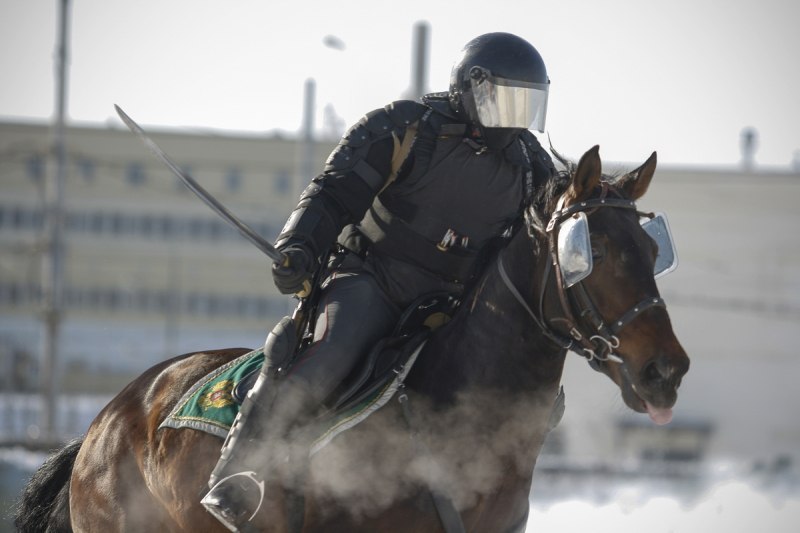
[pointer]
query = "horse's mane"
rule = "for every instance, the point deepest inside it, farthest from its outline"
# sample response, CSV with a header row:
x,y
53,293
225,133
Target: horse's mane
x,y
554,187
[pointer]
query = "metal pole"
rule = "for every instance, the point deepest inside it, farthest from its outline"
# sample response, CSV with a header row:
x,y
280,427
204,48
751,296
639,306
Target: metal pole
x,y
419,67
309,104
307,161
53,259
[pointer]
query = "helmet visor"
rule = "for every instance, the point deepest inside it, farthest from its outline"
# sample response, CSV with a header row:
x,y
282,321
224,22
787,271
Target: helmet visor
x,y
504,103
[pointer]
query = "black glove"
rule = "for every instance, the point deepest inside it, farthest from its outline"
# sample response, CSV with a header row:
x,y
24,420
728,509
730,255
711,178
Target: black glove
x,y
294,276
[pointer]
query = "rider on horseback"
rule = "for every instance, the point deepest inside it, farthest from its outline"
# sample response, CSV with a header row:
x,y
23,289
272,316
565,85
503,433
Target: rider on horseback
x,y
414,192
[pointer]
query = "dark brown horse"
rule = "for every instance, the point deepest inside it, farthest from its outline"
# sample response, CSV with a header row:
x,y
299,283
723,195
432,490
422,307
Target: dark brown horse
x,y
479,398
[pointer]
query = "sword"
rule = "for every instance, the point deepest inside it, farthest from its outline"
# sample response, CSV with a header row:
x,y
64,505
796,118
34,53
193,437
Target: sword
x,y
246,231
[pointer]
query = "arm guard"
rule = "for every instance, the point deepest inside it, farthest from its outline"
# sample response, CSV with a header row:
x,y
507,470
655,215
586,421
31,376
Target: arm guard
x,y
354,173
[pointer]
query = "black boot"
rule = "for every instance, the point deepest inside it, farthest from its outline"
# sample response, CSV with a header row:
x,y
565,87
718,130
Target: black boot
x,y
260,446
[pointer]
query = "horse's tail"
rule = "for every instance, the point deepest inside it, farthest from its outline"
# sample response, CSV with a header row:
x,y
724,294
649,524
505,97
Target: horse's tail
x,y
44,506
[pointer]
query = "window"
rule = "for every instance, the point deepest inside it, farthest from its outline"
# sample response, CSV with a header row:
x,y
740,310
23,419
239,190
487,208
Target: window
x,y
146,226
233,179
23,219
116,223
283,182
196,227
96,222
36,168
86,169
166,227
77,222
215,230
134,174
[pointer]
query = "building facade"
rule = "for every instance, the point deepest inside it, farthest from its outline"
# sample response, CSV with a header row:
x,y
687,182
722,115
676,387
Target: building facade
x,y
148,270
151,272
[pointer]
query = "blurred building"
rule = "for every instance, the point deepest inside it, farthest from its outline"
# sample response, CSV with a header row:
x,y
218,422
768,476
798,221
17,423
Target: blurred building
x,y
151,272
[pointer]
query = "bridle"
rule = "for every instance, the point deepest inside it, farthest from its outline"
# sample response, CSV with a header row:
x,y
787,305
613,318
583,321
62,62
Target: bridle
x,y
588,336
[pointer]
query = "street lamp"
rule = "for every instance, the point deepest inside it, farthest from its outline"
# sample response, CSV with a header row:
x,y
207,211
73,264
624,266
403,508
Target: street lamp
x,y
308,161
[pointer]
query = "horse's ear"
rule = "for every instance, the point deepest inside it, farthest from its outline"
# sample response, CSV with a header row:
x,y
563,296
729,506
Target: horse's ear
x,y
636,182
586,177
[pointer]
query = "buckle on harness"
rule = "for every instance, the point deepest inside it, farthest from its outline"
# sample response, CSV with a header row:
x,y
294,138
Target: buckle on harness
x,y
607,345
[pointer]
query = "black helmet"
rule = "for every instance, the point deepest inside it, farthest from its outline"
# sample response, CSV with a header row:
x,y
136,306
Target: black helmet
x,y
500,81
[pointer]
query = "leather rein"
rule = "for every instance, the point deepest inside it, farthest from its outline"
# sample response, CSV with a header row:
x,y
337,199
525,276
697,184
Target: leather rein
x,y
601,340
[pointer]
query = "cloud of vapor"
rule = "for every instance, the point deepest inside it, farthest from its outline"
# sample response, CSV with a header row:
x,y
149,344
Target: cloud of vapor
x,y
465,451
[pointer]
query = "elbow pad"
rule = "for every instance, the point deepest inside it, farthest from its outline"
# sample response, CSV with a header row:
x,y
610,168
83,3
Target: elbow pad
x,y
311,223
354,173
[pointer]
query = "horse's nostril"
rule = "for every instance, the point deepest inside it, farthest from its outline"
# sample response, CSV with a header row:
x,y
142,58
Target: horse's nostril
x,y
652,373
665,370
659,369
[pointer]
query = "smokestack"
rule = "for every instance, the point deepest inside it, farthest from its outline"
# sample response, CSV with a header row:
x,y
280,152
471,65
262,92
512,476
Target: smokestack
x,y
749,142
419,61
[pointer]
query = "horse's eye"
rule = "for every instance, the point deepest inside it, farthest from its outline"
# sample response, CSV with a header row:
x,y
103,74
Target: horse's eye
x,y
598,251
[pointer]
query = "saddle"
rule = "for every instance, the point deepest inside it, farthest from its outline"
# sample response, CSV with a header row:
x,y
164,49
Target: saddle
x,y
383,362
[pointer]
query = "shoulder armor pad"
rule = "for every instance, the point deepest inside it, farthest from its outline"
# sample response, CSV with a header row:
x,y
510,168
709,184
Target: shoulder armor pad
x,y
356,136
440,102
404,112
378,122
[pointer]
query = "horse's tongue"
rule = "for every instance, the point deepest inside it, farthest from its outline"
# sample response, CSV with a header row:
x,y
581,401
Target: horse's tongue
x,y
659,415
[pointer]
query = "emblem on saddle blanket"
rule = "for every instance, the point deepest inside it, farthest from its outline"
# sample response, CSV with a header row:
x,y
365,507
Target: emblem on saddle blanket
x,y
209,404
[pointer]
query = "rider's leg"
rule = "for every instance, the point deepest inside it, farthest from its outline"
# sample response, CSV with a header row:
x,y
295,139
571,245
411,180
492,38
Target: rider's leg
x,y
353,315
356,314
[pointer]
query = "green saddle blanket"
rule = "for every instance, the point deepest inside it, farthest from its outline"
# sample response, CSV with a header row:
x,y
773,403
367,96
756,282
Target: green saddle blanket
x,y
209,405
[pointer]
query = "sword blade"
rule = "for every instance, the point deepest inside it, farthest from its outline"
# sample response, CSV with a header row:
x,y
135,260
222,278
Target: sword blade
x,y
246,231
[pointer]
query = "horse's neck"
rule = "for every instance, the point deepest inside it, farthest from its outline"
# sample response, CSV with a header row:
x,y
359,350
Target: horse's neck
x,y
494,343
493,376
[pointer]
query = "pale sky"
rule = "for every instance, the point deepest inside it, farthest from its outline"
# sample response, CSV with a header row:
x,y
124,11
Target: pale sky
x,y
683,77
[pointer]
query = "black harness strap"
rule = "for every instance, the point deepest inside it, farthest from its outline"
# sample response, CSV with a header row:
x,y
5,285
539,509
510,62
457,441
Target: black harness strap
x,y
587,205
638,309
599,344
564,342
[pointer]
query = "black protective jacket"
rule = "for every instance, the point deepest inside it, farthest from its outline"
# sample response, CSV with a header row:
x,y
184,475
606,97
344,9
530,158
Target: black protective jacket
x,y
422,221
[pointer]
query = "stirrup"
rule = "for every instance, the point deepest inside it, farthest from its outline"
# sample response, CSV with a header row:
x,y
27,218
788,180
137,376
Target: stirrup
x,y
229,499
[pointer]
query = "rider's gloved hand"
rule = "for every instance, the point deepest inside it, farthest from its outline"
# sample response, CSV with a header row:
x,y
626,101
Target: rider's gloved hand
x,y
294,275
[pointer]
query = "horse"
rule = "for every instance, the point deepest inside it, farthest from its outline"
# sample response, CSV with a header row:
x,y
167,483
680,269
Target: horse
x,y
469,422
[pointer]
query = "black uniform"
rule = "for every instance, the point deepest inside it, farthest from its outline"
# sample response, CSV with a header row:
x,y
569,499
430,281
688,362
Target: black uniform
x,y
422,232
